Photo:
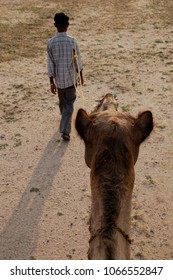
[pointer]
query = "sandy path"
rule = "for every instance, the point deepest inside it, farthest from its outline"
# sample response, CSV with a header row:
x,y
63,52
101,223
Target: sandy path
x,y
126,48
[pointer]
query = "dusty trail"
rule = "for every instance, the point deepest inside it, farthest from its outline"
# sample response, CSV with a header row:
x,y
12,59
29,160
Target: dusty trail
x,y
127,48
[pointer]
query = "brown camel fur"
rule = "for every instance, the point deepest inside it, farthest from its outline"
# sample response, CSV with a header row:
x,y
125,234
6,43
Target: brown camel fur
x,y
112,141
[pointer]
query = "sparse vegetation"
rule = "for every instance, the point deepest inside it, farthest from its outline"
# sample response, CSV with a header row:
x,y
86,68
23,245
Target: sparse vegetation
x,y
3,146
36,190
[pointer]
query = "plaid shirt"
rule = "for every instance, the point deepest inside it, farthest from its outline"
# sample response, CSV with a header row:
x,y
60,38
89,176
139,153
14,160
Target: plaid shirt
x,y
61,61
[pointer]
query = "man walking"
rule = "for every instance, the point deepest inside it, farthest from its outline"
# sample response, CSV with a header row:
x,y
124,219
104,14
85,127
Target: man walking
x,y
64,63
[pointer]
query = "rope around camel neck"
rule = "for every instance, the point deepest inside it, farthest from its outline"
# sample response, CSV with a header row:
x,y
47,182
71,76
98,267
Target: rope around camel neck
x,y
80,91
100,231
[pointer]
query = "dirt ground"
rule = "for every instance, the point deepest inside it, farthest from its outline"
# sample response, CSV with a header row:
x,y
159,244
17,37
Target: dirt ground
x,y
127,49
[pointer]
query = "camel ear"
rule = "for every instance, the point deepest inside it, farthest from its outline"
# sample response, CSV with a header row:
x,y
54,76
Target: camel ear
x,y
143,127
82,123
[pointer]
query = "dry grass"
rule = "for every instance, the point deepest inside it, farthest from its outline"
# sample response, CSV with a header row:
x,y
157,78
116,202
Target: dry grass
x,y
26,27
24,30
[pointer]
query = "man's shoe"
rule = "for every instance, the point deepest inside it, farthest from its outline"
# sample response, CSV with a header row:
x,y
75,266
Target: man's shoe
x,y
65,136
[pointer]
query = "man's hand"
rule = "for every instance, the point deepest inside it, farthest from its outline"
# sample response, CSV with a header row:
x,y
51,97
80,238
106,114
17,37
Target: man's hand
x,y
53,88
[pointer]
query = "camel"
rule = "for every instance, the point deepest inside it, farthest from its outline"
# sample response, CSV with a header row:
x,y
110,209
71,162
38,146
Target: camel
x,y
112,141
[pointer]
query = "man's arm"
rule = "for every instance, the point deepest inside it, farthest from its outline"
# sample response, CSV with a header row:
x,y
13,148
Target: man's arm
x,y
79,62
51,71
52,85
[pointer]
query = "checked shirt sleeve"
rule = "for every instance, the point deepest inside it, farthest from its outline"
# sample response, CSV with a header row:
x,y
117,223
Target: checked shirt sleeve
x,y
50,63
79,56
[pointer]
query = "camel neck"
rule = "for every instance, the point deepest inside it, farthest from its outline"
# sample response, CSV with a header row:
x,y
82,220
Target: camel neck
x,y
110,222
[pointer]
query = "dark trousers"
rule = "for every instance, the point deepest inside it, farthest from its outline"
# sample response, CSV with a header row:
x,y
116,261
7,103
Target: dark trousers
x,y
67,97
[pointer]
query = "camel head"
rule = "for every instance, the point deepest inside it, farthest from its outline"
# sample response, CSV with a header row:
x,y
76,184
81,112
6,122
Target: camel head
x,y
112,141
107,130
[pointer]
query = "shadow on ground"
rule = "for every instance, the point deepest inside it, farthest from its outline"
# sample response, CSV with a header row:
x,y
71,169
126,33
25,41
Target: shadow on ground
x,y
19,238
